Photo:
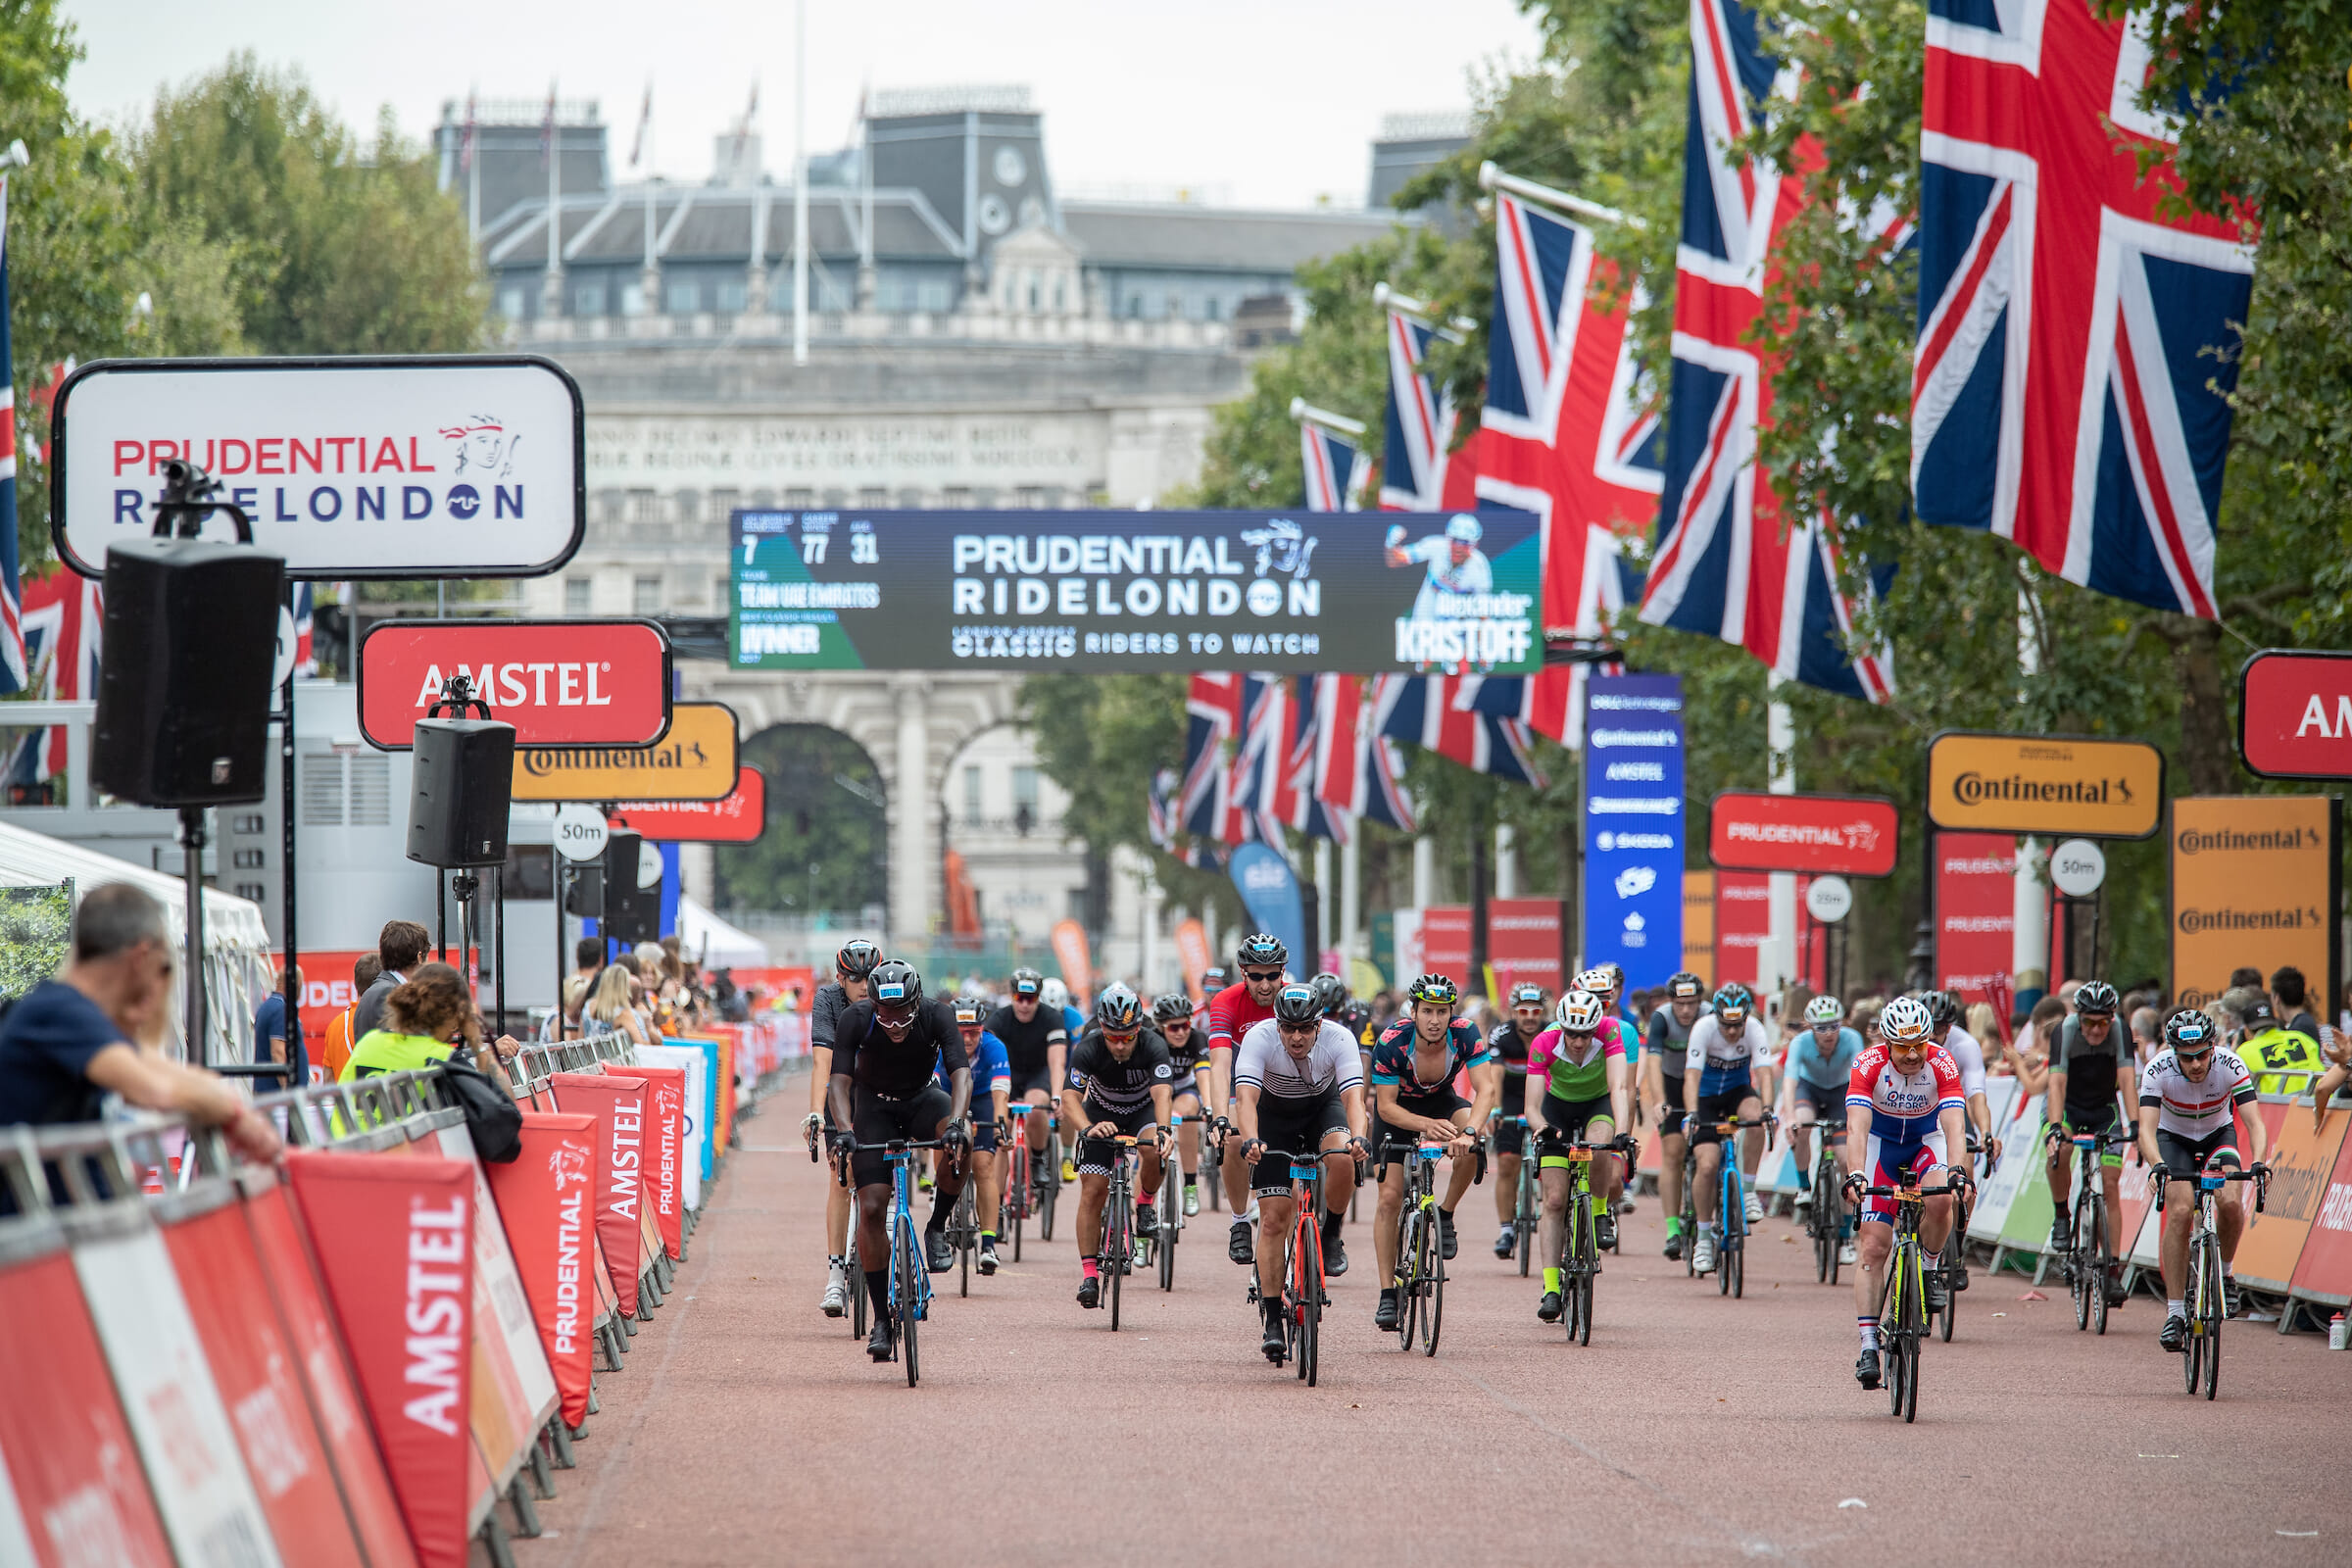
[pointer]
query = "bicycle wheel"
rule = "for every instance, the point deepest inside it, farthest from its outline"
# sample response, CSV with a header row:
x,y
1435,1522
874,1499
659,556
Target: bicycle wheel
x,y
1112,1261
1408,1280
1825,1229
908,1302
2193,1307
1045,1205
858,1325
1736,1258
2213,1305
1914,1330
1432,1285
1891,1333
2099,1269
967,1236
1171,1225
1311,1309
1523,1219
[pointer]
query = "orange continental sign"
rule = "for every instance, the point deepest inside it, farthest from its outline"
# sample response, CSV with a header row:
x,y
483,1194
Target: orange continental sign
x,y
694,762
2048,784
2253,883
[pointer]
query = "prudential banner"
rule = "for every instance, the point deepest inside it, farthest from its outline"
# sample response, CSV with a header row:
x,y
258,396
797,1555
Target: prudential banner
x,y
1287,592
1634,825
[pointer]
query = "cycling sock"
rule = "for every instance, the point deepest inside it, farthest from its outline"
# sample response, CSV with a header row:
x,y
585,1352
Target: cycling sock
x,y
1600,1206
833,1263
2177,1306
988,1237
943,1203
1251,1213
1552,1281
1192,1179
1674,1224
1090,1267
877,1291
1804,1181
1870,1332
1142,1201
1332,1219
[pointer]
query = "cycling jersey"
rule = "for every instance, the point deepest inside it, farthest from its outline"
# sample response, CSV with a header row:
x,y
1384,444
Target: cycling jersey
x,y
990,1072
1188,1057
2191,1111
1119,1089
1334,1065
1969,1057
1394,1053
1509,1047
1232,1014
1571,1077
824,1012
1671,1042
1831,1071
2089,1073
1905,1107
1722,1062
898,1070
1027,1044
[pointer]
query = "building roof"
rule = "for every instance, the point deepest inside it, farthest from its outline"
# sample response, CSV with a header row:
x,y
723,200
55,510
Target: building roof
x,y
1183,235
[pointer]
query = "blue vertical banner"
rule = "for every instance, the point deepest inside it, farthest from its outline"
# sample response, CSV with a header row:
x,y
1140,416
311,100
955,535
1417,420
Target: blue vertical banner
x,y
1269,890
1634,825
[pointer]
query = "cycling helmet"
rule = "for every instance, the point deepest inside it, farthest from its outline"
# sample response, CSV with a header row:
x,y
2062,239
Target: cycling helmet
x,y
1054,994
1595,980
1735,1001
971,1013
1823,1011
898,991
1579,1012
1943,1009
1214,979
1027,982
2096,997
858,959
1175,1004
1432,988
1330,991
1906,1021
1526,994
1295,1004
1354,1017
2191,1031
1117,1010
1616,973
1685,986
1262,950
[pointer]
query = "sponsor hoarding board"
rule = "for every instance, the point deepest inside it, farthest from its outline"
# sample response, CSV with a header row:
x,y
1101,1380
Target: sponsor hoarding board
x,y
2060,785
736,819
1287,593
1975,911
1523,943
1634,825
459,465
1851,835
2255,880
557,682
2294,714
695,761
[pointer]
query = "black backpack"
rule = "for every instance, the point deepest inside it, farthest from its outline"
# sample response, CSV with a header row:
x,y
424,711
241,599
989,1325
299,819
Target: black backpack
x,y
492,1119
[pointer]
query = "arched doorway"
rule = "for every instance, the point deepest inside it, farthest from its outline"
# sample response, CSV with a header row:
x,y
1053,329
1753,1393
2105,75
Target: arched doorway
x,y
823,861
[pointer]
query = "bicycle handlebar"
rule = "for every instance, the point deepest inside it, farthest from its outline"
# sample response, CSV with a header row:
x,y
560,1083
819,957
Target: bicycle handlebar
x,y
2259,1175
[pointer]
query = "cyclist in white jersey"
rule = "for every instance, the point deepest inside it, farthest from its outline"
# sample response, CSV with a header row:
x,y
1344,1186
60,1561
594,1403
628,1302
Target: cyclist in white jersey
x,y
2190,1097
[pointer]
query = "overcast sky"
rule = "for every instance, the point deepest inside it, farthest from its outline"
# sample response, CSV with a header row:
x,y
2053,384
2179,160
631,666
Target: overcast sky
x,y
1263,102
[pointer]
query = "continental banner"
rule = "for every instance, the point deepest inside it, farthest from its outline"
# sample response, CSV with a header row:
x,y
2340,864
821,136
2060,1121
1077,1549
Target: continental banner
x,y
695,761
2256,879
1291,593
2061,785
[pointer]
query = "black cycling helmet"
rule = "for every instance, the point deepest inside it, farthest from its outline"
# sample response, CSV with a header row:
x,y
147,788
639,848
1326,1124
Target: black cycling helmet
x,y
1354,1016
1028,983
2097,998
1172,1006
1526,994
2191,1031
971,1013
1685,987
1330,991
1432,988
1262,950
1214,979
1735,997
1295,1004
1117,1010
897,990
856,959
1944,1010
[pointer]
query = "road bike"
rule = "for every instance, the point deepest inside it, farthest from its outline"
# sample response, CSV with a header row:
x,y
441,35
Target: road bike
x,y
1038,1183
1951,1261
908,1272
1826,1219
2201,1300
1303,1295
963,1233
849,1272
1420,1279
1903,1294
1731,1205
1116,1257
1529,1204
1579,1248
1018,1201
1171,1209
2088,1261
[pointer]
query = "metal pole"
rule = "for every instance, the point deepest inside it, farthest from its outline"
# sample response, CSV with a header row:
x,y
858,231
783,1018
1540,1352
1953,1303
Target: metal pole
x,y
441,913
500,894
800,183
285,773
192,844
563,876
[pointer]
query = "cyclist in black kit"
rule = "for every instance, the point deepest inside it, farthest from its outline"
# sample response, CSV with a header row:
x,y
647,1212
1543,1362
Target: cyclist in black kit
x,y
1188,1056
1509,1043
1037,1044
885,1051
1120,1081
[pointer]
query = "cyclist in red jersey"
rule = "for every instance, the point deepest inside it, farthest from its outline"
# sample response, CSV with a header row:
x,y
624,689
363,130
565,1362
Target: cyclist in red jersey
x,y
1232,1012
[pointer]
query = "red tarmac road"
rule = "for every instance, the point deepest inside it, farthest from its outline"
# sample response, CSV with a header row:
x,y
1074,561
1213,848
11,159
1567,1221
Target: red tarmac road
x,y
748,1428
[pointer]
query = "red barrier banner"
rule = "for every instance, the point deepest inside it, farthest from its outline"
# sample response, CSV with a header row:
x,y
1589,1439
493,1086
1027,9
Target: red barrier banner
x,y
739,819
620,1104
394,1240
547,1201
665,1176
2302,1161
1848,835
2323,1273
724,1134
1975,911
502,1313
557,682
2294,714
1446,942
211,1252
76,1481
326,1376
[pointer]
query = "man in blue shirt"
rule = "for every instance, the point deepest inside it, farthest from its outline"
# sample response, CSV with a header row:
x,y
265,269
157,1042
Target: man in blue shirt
x,y
992,1094
272,1041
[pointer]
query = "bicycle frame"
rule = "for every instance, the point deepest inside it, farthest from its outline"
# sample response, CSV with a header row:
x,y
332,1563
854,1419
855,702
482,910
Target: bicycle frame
x,y
1731,1205
1420,1279
2202,1300
909,1272
2088,1256
1523,1216
1827,1221
1303,1261
1580,1241
1903,1293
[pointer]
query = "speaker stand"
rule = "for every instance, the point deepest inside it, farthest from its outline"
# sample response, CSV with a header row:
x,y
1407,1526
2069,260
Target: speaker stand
x,y
462,887
191,846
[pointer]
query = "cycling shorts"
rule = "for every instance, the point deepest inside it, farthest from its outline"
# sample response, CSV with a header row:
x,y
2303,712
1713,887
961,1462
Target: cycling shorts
x,y
1025,1082
1569,1118
1828,1104
1886,1160
877,1122
1719,1107
1096,1155
983,1136
2105,1119
1442,1105
2184,1158
1297,1125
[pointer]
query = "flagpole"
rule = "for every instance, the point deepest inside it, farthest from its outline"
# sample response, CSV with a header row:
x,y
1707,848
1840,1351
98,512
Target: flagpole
x,y
1491,177
555,213
1780,745
1351,892
1391,298
1308,413
799,184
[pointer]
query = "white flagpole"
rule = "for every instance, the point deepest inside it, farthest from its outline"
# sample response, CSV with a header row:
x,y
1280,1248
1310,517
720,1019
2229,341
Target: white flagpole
x,y
1491,177
799,184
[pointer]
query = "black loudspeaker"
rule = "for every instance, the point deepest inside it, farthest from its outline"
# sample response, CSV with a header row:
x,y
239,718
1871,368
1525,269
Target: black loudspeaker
x,y
631,913
464,776
183,685
585,896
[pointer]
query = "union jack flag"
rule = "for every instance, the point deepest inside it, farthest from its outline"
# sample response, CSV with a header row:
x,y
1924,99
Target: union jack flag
x,y
306,657
1335,469
1212,715
1726,563
1163,809
2070,385
1357,768
1437,713
13,675
63,618
1419,471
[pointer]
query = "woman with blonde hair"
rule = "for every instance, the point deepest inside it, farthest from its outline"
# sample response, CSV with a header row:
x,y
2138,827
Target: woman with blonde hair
x,y
1986,1028
608,1011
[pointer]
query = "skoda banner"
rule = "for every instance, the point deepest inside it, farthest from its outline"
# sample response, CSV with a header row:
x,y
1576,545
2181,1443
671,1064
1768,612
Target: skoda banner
x,y
1634,825
1287,593
1270,892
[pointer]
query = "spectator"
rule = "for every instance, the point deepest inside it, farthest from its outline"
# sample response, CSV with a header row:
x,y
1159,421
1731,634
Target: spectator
x,y
273,1041
400,947
426,1017
2291,999
610,1012
1985,1027
2147,1033
2283,1061
96,1030
364,971
2244,975
2028,1056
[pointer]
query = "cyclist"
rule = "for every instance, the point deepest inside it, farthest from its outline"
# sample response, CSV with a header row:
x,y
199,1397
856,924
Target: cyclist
x,y
1122,1081
1232,1014
1821,1063
1578,1086
1414,1064
885,1052
851,965
1946,1009
1297,1085
1509,1043
2190,1097
1661,1081
2090,1069
1904,1109
992,1089
1037,1043
1716,1087
1188,1056
1213,979
1054,999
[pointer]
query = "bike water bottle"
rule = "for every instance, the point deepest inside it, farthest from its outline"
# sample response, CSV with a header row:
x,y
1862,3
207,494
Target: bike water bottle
x,y
2336,1332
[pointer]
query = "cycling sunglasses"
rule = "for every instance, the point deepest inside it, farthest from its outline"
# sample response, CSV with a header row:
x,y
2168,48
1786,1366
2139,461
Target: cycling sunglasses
x,y
2180,1054
1259,977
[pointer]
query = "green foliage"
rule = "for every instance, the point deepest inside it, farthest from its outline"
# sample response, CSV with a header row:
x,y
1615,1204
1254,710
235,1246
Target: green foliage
x,y
824,850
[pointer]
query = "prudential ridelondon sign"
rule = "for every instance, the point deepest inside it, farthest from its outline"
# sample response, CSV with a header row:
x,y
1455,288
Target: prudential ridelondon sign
x,y
456,467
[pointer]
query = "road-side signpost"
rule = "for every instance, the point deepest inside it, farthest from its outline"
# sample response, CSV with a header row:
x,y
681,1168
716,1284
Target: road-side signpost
x,y
695,761
561,683
580,831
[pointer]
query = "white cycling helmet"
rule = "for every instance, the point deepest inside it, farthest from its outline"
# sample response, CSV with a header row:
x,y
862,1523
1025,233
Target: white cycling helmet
x,y
1054,995
1907,1022
1596,981
1579,1012
1823,1011
1464,527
